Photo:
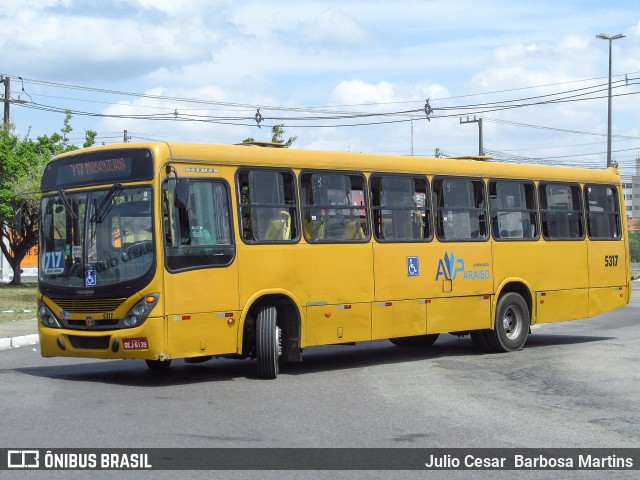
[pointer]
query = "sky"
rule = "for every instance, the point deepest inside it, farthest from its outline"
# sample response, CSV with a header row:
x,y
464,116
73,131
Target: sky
x,y
360,76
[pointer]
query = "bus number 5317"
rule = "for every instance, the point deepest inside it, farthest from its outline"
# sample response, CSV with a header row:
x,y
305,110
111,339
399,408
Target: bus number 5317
x,y
611,260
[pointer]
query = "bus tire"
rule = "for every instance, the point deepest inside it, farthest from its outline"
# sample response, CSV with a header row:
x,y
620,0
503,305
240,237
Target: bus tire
x,y
512,324
479,338
158,364
422,341
268,342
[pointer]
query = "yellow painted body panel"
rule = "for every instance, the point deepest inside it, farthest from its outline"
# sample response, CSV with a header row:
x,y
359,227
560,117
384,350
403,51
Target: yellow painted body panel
x,y
402,318
545,265
602,300
390,271
458,314
561,305
202,334
607,263
331,273
330,324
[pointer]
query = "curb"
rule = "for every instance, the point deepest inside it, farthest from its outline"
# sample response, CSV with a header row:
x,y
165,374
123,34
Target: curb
x,y
21,341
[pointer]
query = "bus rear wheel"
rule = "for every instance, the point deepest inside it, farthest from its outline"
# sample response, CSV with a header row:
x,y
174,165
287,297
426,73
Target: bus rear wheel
x,y
417,341
268,342
512,324
479,338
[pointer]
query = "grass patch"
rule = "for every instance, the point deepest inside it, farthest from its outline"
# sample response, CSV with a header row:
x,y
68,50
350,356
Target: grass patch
x,y
17,299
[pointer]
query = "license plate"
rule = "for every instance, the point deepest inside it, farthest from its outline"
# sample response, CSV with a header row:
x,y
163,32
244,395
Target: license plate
x,y
135,343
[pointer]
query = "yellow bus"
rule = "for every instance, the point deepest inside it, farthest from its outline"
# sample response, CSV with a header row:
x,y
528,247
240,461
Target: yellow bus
x,y
162,251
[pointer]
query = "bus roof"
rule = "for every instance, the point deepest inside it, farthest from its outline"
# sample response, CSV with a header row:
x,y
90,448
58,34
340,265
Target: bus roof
x,y
365,162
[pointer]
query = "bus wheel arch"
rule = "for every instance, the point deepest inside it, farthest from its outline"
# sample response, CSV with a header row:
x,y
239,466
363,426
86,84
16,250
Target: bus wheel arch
x,y
287,320
522,289
513,317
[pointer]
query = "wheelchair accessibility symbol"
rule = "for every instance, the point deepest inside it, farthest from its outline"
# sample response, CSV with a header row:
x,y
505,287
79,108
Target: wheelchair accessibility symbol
x,y
90,278
413,267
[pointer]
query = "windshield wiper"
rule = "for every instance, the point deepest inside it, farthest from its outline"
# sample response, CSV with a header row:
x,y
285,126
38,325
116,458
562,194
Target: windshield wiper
x,y
67,205
105,206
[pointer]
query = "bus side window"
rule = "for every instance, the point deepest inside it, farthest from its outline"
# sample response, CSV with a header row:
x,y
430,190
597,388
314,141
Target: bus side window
x,y
400,208
268,206
603,213
334,207
461,209
199,235
513,210
561,213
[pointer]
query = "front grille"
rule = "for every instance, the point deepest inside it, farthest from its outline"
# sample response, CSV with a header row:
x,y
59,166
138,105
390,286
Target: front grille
x,y
89,343
99,324
81,305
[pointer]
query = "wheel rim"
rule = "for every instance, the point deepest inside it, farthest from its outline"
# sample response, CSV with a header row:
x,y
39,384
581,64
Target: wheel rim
x,y
512,322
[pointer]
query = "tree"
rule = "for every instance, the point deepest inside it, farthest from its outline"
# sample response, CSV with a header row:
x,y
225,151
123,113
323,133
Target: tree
x,y
22,162
277,136
634,245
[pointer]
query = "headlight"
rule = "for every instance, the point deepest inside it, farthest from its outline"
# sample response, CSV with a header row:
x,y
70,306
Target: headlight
x,y
140,311
45,316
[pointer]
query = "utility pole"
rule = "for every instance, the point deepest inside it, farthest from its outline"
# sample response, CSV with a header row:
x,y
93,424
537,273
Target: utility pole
x,y
7,98
479,122
126,137
411,151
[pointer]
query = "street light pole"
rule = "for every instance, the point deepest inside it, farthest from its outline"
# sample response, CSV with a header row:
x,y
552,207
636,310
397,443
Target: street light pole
x,y
602,36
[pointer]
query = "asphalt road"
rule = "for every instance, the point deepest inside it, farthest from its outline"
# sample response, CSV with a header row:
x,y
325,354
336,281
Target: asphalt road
x,y
575,384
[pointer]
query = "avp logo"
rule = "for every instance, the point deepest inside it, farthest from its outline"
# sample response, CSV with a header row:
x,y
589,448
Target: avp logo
x,y
449,266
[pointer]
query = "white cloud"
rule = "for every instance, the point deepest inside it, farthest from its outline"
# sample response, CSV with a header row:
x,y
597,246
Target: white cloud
x,y
355,92
518,51
334,26
66,42
575,43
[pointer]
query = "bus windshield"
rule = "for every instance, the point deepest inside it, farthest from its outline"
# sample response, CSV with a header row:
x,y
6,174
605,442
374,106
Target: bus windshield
x,y
96,238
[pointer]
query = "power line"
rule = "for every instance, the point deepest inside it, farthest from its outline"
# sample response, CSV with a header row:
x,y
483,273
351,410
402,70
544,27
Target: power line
x,y
555,129
329,116
253,106
406,115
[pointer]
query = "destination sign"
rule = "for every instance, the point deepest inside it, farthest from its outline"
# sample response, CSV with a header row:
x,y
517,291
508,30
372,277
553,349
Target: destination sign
x,y
111,165
98,167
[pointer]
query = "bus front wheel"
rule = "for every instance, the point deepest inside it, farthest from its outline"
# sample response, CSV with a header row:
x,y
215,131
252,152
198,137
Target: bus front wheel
x,y
268,342
512,324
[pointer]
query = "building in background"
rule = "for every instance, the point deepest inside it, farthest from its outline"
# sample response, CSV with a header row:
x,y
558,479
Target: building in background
x,y
29,267
634,193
